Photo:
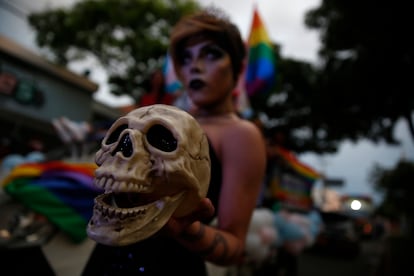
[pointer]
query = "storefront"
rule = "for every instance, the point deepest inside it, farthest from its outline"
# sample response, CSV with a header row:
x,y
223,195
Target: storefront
x,y
33,92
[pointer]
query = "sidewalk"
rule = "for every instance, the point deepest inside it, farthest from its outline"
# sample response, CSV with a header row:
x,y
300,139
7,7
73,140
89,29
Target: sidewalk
x,y
65,257
57,256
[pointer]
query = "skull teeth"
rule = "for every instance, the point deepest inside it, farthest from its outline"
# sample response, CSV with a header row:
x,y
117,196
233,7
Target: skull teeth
x,y
110,184
122,226
112,211
122,213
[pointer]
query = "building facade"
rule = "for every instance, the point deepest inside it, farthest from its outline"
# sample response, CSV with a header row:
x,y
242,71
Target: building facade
x,y
34,91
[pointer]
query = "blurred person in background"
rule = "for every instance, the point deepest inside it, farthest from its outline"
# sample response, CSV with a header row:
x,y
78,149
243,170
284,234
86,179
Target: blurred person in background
x,y
155,90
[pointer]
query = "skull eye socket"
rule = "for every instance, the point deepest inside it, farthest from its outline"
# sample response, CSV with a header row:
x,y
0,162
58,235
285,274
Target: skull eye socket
x,y
113,137
161,138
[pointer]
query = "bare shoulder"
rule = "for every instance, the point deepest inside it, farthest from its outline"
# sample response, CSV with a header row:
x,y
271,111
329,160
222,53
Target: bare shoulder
x,y
244,153
242,138
243,131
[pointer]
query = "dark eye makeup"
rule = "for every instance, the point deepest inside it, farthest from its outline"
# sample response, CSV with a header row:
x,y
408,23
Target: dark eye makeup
x,y
213,51
210,51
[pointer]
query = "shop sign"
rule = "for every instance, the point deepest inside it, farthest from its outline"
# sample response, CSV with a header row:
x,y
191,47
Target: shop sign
x,y
23,91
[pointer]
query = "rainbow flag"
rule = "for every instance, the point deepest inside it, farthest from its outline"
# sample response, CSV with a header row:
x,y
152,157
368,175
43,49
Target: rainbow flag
x,y
302,169
62,192
261,64
291,184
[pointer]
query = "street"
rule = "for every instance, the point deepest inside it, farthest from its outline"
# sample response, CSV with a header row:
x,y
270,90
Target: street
x,y
365,263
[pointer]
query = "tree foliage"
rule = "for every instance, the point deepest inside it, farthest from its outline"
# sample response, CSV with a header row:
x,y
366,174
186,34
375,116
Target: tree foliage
x,y
364,83
128,37
397,187
361,86
289,111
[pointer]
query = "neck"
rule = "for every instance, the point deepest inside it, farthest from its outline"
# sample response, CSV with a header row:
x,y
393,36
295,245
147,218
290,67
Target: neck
x,y
222,109
215,117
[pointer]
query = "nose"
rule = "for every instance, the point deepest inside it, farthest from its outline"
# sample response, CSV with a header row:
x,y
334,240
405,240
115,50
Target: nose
x,y
196,65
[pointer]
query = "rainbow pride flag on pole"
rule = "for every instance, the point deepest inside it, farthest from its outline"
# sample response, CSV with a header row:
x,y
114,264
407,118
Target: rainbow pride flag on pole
x,y
261,63
301,168
292,182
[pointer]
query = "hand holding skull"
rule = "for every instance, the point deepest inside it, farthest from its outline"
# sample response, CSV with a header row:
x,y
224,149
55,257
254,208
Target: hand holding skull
x,y
176,226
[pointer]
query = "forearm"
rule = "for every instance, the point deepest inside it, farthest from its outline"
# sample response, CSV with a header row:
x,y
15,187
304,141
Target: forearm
x,y
214,245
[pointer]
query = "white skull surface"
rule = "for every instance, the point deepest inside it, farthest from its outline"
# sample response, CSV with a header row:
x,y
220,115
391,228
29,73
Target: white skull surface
x,y
153,163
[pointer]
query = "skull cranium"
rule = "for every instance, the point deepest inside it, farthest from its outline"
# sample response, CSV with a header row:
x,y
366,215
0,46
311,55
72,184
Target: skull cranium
x,y
153,163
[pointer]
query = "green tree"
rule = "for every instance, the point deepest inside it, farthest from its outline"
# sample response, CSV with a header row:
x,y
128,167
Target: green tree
x,y
290,109
396,184
364,83
360,87
128,37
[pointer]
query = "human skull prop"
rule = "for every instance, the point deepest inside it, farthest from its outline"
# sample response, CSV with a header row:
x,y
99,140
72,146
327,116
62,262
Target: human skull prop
x,y
153,163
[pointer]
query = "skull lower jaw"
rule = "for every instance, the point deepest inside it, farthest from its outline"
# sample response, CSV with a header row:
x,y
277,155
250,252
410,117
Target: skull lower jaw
x,y
116,226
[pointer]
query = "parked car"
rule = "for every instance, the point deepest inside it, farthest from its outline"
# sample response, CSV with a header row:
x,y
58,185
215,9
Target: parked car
x,y
338,237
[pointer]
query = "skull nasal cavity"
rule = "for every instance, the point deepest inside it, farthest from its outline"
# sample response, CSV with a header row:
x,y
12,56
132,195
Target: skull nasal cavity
x,y
161,138
124,146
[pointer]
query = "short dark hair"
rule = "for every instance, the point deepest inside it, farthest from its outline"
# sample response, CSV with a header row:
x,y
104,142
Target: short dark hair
x,y
215,25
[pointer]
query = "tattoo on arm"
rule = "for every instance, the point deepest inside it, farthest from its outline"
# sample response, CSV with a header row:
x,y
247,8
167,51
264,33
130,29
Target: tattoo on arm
x,y
218,240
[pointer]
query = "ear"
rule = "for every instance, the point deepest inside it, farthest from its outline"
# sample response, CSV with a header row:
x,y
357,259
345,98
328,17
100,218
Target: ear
x,y
240,77
244,65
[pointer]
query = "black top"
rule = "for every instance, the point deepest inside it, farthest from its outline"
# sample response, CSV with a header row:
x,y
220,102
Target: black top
x,y
157,255
215,180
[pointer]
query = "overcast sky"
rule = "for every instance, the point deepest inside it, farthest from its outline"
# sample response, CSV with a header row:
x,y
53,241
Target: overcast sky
x,y
283,20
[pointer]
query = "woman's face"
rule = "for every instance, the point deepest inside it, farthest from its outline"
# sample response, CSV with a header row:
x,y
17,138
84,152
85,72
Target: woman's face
x,y
206,72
